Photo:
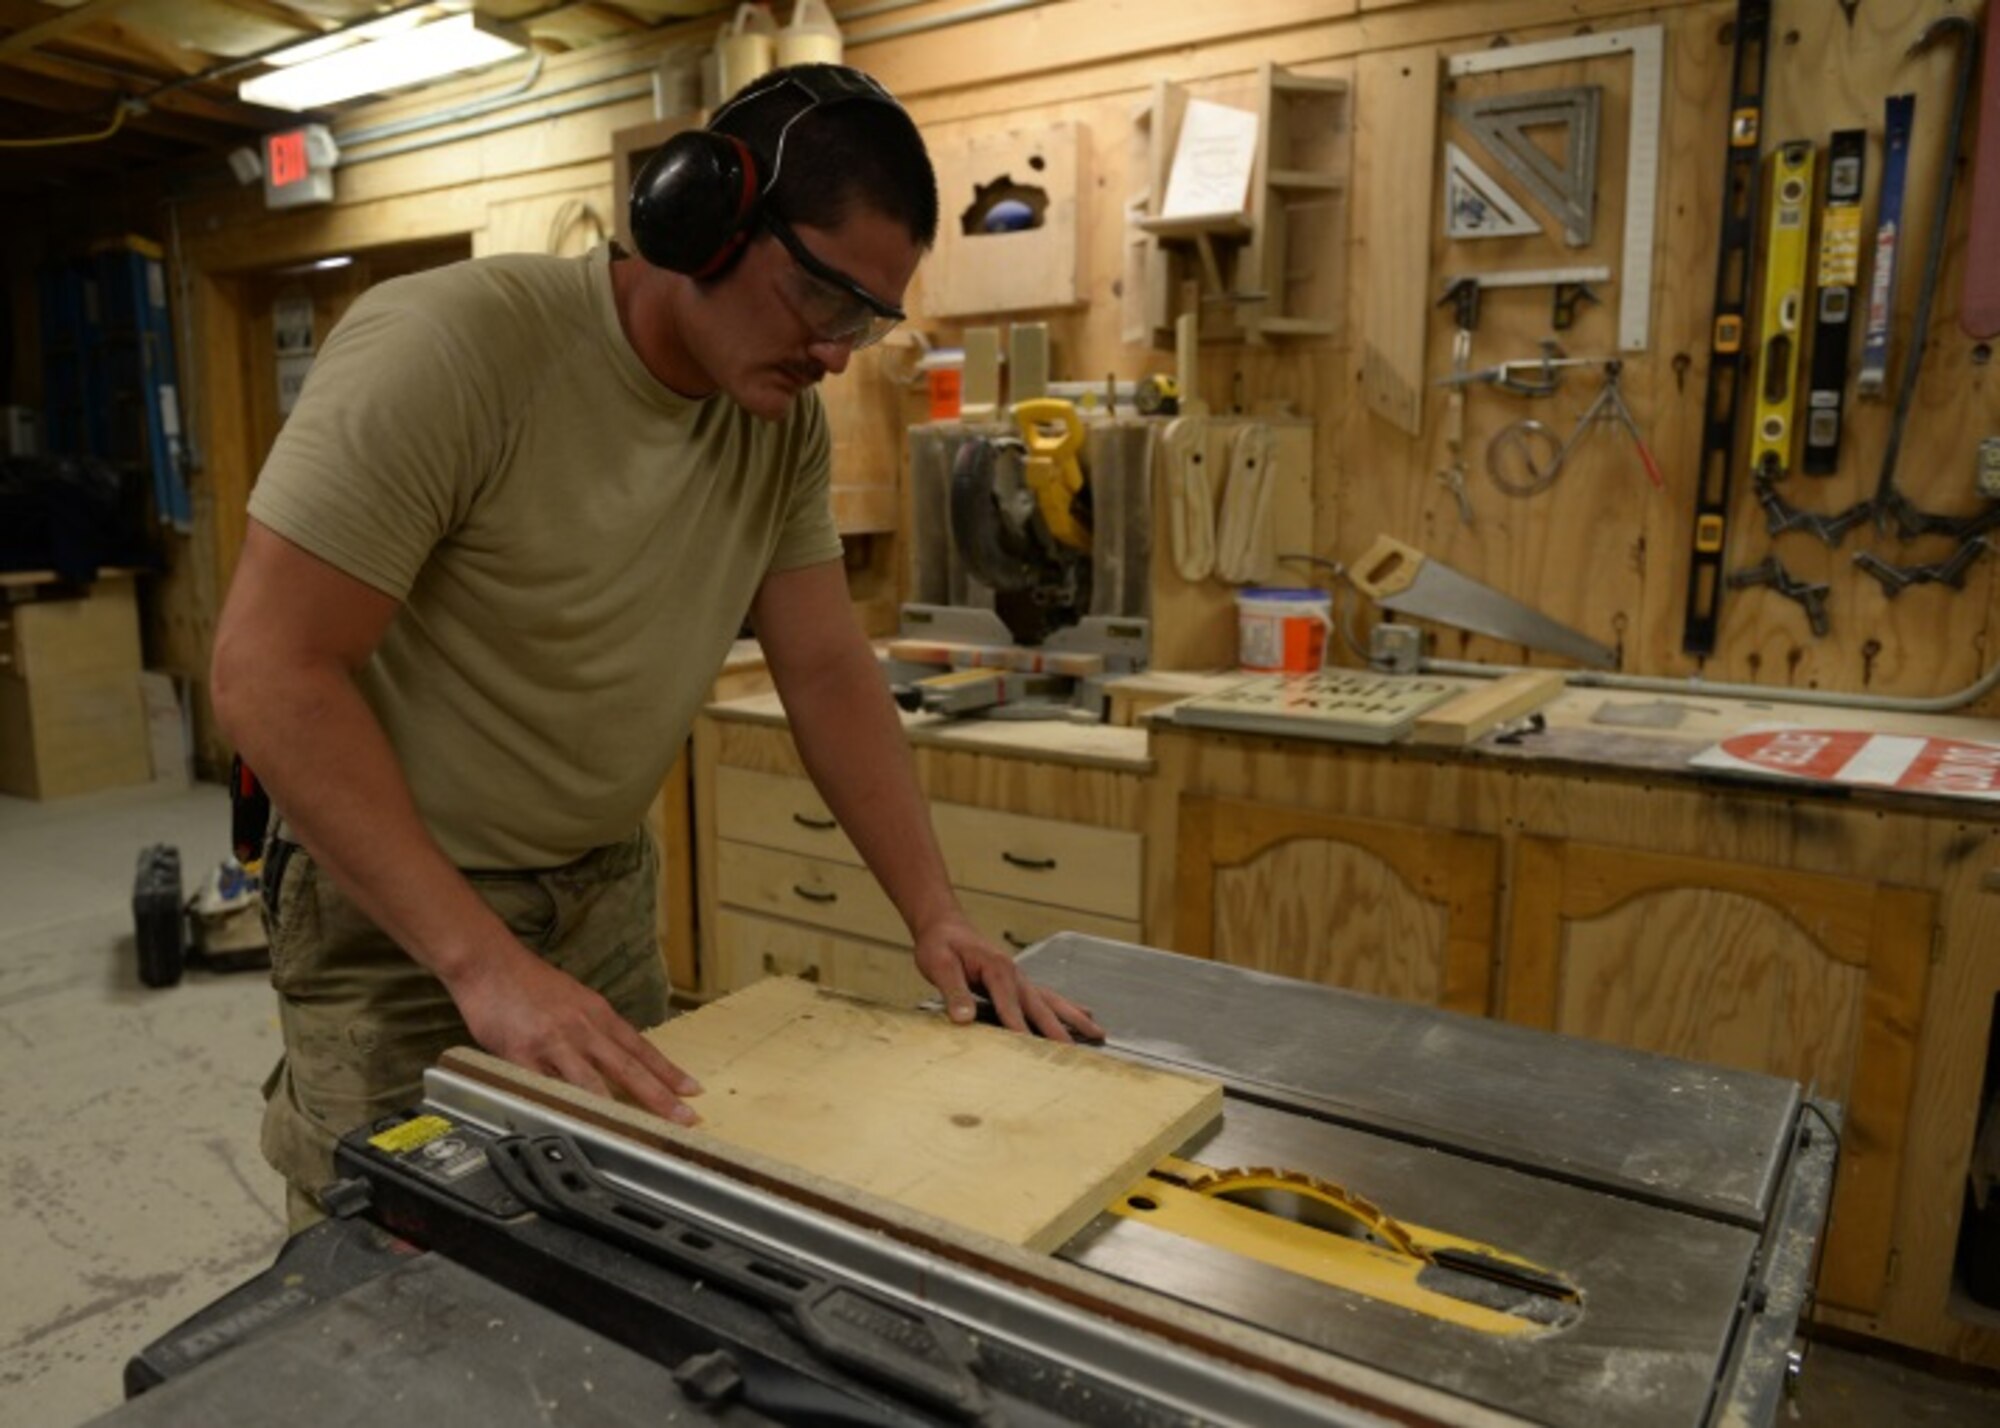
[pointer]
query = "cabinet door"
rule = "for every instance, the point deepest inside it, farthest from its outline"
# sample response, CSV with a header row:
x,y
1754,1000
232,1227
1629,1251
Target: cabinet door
x,y
1394,909
1817,978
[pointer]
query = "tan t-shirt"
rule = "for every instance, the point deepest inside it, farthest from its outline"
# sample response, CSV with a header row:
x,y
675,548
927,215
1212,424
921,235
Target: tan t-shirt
x,y
574,545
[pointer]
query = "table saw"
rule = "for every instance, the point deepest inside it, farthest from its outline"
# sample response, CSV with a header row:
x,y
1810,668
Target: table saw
x,y
1536,1229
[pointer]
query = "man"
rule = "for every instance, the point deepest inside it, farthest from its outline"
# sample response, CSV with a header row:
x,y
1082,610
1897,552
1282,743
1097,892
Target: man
x,y
494,559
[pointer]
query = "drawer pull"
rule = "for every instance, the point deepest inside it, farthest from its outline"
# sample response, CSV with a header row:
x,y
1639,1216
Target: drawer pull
x,y
818,825
815,894
804,974
1012,941
1033,865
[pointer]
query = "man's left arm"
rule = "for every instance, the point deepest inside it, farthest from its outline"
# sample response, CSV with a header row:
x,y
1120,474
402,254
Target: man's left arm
x,y
848,733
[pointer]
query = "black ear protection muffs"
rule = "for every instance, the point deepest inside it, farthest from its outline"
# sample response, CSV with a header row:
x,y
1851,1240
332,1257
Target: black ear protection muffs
x,y
695,202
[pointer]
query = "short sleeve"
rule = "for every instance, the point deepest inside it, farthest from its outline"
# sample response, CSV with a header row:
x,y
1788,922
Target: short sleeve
x,y
379,460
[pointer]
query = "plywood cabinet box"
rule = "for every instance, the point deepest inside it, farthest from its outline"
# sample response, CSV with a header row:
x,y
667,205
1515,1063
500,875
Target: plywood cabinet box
x,y
1034,843
72,719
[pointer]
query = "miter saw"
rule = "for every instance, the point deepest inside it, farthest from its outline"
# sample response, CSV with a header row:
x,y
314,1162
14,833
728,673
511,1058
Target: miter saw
x,y
1020,515
1030,547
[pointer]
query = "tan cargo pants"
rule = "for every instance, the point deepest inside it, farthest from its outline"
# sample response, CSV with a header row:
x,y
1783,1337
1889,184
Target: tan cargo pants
x,y
362,1020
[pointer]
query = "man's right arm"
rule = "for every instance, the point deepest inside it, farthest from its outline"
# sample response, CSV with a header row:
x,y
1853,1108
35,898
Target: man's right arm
x,y
293,633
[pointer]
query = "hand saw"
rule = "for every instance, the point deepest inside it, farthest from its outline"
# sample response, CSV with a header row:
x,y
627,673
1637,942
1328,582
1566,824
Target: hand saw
x,y
1402,578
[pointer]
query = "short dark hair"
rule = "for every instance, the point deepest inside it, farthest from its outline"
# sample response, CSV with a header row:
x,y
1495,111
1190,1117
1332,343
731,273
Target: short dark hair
x,y
848,151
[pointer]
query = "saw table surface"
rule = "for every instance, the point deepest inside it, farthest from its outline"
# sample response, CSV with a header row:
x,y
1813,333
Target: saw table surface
x,y
1645,1181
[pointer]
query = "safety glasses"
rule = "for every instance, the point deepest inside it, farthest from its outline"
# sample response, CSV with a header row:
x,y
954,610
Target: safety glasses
x,y
834,306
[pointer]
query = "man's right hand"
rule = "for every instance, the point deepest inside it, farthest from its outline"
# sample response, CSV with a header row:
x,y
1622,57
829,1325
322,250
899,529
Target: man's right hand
x,y
520,1008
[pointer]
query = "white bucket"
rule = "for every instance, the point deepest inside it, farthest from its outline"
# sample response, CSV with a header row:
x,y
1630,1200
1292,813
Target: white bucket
x,y
1283,631
746,49
811,37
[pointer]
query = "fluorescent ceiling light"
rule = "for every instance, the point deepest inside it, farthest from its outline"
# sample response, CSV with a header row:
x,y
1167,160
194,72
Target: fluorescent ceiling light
x,y
409,56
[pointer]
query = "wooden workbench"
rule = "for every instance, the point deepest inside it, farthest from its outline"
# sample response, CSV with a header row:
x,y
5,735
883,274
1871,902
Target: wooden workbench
x,y
1588,879
1585,878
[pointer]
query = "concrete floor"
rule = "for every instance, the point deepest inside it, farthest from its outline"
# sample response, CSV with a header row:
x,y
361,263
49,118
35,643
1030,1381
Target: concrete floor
x,y
128,1131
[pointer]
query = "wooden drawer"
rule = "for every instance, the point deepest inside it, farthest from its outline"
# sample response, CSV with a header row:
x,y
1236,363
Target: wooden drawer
x,y
1016,924
754,947
778,811
1043,860
836,896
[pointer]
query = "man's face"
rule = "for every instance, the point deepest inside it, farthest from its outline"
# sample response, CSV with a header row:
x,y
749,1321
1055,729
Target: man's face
x,y
796,307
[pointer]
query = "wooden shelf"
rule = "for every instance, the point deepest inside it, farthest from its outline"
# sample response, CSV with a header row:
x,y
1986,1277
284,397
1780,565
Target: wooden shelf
x,y
1274,270
1307,84
1306,180
1200,225
1296,327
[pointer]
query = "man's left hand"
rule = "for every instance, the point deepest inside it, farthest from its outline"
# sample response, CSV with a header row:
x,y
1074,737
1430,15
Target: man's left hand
x,y
958,960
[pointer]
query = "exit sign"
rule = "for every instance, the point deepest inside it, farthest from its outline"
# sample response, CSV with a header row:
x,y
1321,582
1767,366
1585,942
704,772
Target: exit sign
x,y
298,166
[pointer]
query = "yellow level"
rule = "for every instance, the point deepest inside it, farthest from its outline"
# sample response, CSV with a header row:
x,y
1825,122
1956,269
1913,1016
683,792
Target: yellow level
x,y
1785,251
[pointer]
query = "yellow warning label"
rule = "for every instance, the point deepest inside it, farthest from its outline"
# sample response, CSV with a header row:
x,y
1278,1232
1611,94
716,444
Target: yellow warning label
x,y
419,1130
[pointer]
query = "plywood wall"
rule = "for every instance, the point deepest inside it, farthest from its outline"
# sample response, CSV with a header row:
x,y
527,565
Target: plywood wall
x,y
1602,550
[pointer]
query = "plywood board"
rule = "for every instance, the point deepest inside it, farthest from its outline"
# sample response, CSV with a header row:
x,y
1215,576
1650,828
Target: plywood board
x,y
1021,1139
1478,711
1396,133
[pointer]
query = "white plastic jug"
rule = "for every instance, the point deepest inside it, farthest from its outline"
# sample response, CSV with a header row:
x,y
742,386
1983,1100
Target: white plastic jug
x,y
811,37
746,49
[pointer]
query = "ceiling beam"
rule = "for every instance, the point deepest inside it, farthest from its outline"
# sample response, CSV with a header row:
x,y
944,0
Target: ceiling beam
x,y
111,85
176,58
306,23
56,26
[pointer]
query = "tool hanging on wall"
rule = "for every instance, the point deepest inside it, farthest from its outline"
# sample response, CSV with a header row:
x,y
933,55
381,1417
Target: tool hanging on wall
x,y
1642,148
1453,473
1402,578
1572,288
1190,497
1525,458
1899,117
1979,307
1567,187
1839,267
1245,545
1725,359
1898,578
1891,506
1784,285
1781,516
1525,376
1771,571
1476,205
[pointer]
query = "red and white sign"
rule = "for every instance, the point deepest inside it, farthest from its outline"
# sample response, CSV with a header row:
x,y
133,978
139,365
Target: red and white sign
x,y
1955,768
